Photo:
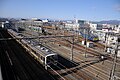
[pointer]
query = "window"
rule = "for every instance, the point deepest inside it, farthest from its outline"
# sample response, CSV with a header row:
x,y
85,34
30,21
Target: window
x,y
119,39
42,58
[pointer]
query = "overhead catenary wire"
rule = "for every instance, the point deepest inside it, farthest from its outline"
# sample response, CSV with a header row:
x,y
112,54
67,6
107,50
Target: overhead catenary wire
x,y
33,37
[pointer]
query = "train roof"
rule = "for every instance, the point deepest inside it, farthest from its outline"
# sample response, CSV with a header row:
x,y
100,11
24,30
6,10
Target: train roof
x,y
38,49
34,45
45,51
16,34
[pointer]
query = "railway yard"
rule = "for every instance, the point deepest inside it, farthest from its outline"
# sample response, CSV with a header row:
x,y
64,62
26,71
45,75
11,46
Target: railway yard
x,y
17,64
74,61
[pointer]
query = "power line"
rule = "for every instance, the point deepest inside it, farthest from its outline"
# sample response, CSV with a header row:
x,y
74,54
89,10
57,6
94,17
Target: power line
x,y
1,39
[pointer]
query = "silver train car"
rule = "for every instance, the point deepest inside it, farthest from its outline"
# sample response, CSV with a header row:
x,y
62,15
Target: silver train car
x,y
41,53
44,55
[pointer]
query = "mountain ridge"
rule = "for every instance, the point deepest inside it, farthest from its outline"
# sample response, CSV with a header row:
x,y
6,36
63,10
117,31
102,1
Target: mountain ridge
x,y
114,22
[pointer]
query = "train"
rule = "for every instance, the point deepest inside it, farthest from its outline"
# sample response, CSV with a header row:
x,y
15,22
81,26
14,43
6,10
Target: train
x,y
41,53
90,36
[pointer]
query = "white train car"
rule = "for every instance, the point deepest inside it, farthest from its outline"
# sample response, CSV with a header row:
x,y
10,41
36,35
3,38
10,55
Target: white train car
x,y
41,53
44,55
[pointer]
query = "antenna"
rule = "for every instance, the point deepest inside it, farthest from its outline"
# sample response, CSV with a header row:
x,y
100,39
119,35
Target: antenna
x,y
74,18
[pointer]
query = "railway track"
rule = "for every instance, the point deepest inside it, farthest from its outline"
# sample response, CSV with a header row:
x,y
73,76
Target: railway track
x,y
109,60
65,32
88,66
70,75
24,66
98,68
82,49
95,68
6,68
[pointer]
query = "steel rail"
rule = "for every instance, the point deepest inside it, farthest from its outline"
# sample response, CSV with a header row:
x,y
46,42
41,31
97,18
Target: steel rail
x,y
34,37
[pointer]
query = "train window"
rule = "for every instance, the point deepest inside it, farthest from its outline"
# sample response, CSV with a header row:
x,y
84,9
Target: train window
x,y
51,59
34,52
42,58
119,39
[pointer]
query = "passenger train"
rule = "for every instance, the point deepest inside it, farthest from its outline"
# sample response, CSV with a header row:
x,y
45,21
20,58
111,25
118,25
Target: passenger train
x,y
41,53
90,36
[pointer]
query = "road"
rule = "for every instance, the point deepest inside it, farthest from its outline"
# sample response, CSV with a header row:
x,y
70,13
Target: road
x,y
17,64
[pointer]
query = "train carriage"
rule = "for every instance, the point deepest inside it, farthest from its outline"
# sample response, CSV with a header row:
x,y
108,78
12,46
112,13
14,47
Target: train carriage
x,y
90,36
43,54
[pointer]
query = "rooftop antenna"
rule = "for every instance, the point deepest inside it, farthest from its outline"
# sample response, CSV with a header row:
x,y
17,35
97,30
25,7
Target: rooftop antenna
x,y
74,18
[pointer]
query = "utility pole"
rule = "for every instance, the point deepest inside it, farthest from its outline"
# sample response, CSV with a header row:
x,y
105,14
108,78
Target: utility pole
x,y
114,61
86,36
31,30
105,42
72,46
78,35
39,34
64,29
107,35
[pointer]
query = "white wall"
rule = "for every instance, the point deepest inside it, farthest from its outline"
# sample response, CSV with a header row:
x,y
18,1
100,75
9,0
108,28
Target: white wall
x,y
72,26
93,26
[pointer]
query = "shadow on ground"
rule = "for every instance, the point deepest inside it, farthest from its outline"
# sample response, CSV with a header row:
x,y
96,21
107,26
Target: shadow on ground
x,y
64,63
75,70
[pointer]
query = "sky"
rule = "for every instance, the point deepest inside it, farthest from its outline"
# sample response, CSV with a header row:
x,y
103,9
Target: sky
x,y
92,10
